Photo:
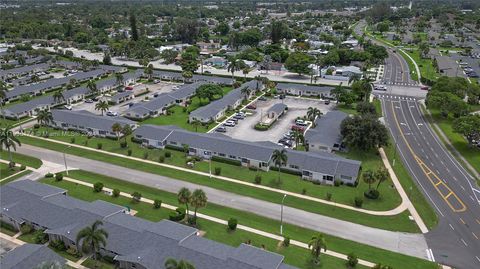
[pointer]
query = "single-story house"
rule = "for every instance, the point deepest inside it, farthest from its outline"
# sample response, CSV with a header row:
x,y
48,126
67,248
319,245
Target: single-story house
x,y
216,109
318,167
30,256
24,70
132,242
326,134
304,90
274,112
121,97
88,123
219,62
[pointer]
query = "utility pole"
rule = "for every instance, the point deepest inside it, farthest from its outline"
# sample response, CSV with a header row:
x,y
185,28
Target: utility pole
x,y
281,215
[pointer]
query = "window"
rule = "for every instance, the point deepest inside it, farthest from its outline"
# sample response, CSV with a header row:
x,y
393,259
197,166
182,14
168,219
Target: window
x,y
345,177
173,142
221,154
231,157
327,178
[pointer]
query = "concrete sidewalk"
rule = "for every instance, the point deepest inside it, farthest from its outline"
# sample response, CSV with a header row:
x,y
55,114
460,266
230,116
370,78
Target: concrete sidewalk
x,y
224,222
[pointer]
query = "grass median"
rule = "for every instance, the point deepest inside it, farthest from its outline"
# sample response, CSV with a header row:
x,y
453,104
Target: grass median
x,y
399,222
21,159
245,218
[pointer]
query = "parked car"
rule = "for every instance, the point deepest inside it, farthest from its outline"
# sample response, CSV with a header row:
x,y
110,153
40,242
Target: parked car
x,y
112,113
298,128
298,121
252,106
282,96
130,104
233,119
156,81
380,88
89,101
424,88
229,124
327,102
129,88
221,129
69,107
262,98
473,75
239,117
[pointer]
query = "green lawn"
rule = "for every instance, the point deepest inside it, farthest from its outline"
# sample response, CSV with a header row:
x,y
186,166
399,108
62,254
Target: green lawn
x,y
90,263
7,229
426,67
5,171
29,238
411,66
21,159
217,232
16,176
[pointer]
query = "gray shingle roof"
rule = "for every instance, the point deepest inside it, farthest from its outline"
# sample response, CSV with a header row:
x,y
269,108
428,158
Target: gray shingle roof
x,y
277,108
29,256
24,69
132,239
88,120
327,129
303,87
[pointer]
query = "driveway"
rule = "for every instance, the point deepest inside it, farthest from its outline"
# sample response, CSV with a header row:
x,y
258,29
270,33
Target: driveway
x,y
297,107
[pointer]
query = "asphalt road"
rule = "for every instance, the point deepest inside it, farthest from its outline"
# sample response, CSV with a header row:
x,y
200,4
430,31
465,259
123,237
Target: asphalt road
x,y
409,244
446,184
396,70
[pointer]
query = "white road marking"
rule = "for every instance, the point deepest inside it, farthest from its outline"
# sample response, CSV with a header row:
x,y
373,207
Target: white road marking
x,y
462,187
451,226
471,197
455,178
463,241
478,259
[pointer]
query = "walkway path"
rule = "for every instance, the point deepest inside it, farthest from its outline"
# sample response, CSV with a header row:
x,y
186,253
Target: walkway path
x,y
399,209
224,222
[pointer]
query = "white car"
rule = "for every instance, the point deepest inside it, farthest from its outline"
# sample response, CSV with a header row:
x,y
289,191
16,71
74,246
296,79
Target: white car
x,y
229,124
69,107
112,113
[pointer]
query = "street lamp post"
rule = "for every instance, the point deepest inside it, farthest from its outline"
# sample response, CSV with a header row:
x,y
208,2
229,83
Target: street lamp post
x,y
210,167
65,159
281,215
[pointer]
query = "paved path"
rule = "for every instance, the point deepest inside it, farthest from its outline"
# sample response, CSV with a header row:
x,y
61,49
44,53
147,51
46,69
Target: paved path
x,y
399,209
406,243
224,222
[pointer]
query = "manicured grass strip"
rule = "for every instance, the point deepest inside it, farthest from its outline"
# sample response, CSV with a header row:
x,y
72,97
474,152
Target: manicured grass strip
x,y
293,255
16,176
396,223
8,229
366,252
411,66
21,159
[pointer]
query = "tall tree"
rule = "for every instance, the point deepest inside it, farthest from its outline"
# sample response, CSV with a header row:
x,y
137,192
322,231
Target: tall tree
x,y
381,175
44,117
9,141
92,87
299,62
316,243
3,96
312,114
174,264
234,65
368,177
90,239
126,131
469,127
58,96
364,132
246,92
279,158
198,200
119,79
184,197
102,105
276,32
107,59
133,27
117,129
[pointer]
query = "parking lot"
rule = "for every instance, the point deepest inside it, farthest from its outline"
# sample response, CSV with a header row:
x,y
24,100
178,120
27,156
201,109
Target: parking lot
x,y
297,107
162,87
472,62
6,246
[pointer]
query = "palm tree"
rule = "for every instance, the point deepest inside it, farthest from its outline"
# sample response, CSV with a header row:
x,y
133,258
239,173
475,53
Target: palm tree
x,y
184,197
174,264
381,176
92,86
3,95
298,137
58,96
119,79
198,200
117,129
369,178
72,83
102,106
44,117
92,238
126,131
245,71
187,75
312,114
246,92
234,65
316,244
367,86
355,77
279,158
337,92
195,124
35,78
8,140
149,71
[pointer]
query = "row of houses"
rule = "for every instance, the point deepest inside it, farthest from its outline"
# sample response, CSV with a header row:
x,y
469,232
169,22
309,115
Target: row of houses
x,y
23,70
304,90
162,102
326,134
217,109
176,76
132,242
321,167
30,256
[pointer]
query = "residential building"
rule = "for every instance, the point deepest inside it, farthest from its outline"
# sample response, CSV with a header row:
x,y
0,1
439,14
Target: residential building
x,y
24,70
176,76
121,97
132,242
326,134
304,90
88,123
317,167
217,109
273,113
30,256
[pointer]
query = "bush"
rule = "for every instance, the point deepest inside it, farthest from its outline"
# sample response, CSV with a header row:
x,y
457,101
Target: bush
x,y
49,175
337,182
145,155
72,251
40,237
23,167
178,214
11,165
286,241
98,187
168,154
287,171
123,144
261,127
232,224
329,196
116,192
358,201
157,203
217,171
253,168
58,177
136,196
161,159
99,145
304,191
58,245
36,126
129,152
225,160
352,260
72,140
258,179
26,228
85,143
371,194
